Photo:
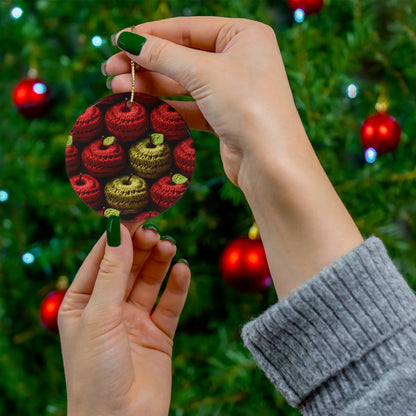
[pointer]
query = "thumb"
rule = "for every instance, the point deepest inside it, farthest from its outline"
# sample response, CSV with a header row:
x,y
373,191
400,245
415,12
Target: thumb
x,y
110,286
180,63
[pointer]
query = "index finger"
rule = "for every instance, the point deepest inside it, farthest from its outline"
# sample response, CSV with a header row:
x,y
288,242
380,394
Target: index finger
x,y
197,32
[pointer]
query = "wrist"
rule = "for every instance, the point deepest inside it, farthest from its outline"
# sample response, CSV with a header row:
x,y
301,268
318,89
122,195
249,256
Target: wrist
x,y
303,224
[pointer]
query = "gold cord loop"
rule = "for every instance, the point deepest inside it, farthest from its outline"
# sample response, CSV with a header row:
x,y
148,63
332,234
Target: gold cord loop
x,y
133,78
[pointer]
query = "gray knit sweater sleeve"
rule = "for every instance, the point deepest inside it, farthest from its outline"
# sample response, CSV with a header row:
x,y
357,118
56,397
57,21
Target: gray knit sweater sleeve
x,y
345,342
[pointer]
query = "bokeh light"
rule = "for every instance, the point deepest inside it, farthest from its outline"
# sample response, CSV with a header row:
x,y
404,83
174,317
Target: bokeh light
x,y
370,155
16,12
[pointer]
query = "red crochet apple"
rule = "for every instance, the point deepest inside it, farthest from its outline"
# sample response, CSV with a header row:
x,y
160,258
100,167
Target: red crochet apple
x,y
88,126
88,189
168,121
72,158
167,190
127,123
104,158
184,157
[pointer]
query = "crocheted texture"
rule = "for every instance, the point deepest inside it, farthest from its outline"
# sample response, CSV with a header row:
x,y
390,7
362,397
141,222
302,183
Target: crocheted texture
x,y
343,343
129,195
169,122
88,189
184,157
72,159
103,161
127,124
88,125
149,161
165,193
111,212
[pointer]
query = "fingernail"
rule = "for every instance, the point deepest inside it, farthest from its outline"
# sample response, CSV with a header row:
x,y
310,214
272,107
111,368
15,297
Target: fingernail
x,y
150,227
113,231
108,82
131,42
114,39
168,238
103,69
184,261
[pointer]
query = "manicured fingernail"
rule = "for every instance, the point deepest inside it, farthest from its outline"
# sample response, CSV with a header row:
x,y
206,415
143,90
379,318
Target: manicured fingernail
x,y
131,42
114,39
150,227
108,82
113,231
184,261
169,238
104,69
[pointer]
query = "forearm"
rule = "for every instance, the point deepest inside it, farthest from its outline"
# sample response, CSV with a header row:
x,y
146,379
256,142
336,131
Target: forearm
x,y
343,343
303,223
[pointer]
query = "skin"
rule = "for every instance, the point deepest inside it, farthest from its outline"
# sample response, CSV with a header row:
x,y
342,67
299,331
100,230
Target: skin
x,y
117,352
116,357
234,71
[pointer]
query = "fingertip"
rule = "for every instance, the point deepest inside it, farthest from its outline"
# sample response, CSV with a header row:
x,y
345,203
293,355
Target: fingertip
x,y
181,273
145,239
113,231
167,247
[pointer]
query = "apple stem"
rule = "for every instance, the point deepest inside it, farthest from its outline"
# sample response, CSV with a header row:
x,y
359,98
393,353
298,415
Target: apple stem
x,y
126,108
80,179
128,180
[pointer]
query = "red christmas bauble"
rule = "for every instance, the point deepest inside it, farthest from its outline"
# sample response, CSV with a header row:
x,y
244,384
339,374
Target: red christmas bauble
x,y
49,309
381,132
244,266
32,98
308,6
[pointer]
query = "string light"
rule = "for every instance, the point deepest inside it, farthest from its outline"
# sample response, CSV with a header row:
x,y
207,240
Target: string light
x,y
4,195
352,91
97,41
299,15
370,155
39,88
16,12
28,258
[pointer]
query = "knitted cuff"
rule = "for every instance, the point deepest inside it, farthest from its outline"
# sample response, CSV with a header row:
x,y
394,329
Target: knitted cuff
x,y
348,323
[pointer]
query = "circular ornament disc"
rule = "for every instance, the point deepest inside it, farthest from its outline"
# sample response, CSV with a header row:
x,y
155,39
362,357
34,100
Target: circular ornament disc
x,y
135,159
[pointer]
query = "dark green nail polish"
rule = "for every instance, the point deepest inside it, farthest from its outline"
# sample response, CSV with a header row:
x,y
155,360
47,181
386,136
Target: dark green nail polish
x,y
169,238
184,261
113,231
131,42
108,82
104,69
150,227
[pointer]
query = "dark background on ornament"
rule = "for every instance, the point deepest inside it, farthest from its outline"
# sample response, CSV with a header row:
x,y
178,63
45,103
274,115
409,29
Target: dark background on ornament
x,y
366,42
104,105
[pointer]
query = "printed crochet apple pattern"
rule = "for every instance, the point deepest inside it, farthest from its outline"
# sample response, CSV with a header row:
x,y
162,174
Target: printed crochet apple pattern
x,y
137,158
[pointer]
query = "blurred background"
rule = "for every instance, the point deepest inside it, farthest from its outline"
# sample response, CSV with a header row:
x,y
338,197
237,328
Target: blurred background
x,y
347,60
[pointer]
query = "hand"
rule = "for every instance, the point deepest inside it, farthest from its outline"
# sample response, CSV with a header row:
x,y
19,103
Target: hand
x,y
117,352
234,71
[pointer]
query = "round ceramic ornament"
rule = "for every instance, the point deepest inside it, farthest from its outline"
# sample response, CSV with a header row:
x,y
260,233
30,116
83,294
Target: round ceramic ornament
x,y
130,154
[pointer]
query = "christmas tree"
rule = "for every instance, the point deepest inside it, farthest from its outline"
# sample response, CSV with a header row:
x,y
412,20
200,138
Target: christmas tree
x,y
341,60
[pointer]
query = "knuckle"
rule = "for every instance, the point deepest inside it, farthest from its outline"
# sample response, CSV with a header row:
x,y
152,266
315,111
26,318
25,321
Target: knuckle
x,y
108,269
156,52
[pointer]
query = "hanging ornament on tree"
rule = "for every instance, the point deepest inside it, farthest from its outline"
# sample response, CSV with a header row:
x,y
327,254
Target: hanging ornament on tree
x,y
50,305
304,8
380,133
243,264
32,97
130,155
